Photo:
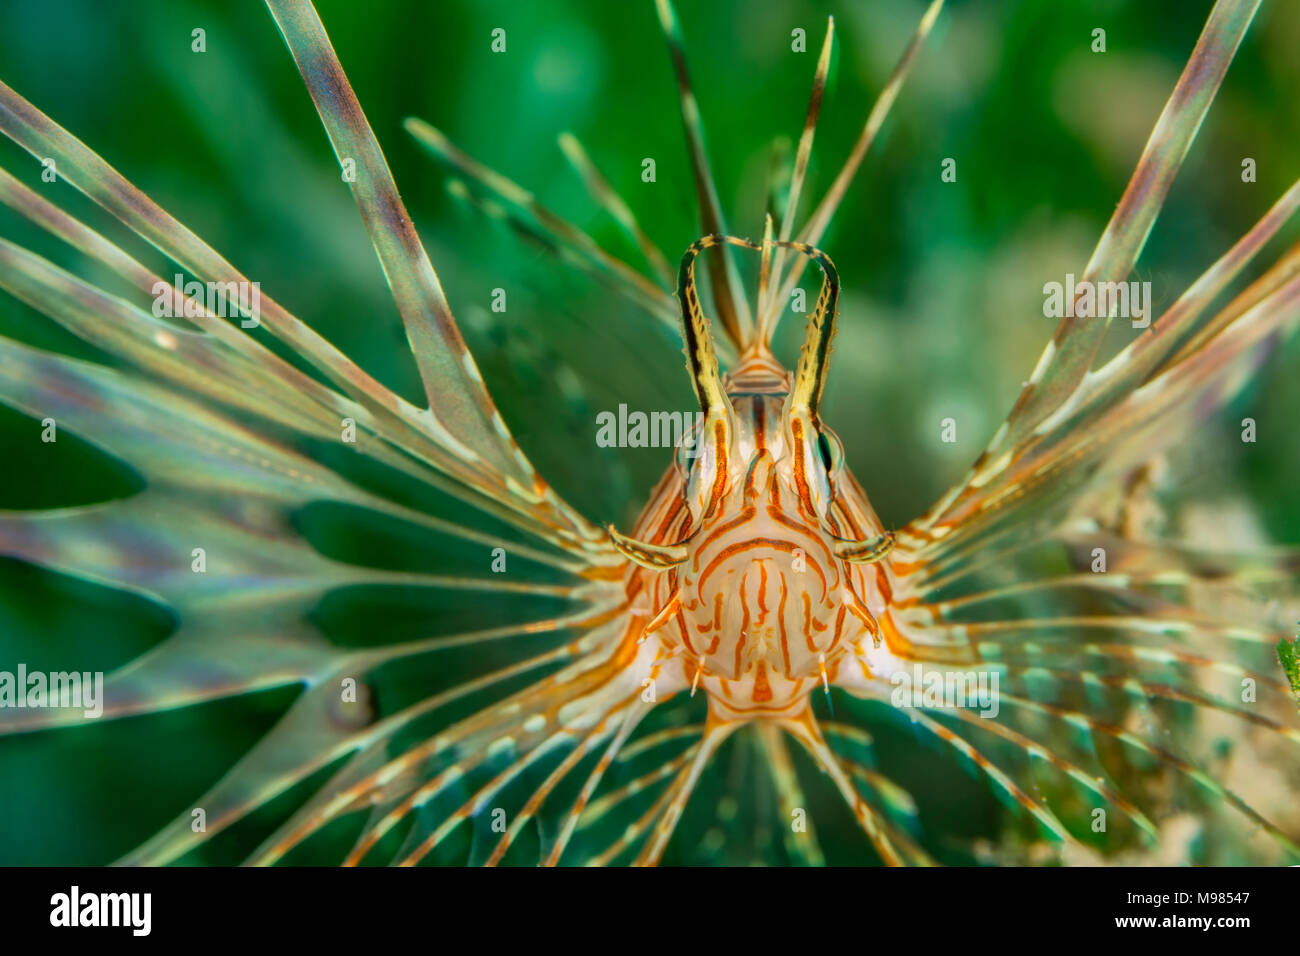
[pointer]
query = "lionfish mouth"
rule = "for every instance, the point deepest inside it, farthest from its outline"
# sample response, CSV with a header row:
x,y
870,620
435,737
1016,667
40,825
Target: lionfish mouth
x,y
575,694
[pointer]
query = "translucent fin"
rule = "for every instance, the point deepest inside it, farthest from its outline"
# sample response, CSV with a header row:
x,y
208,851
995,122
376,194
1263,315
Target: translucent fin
x,y
728,294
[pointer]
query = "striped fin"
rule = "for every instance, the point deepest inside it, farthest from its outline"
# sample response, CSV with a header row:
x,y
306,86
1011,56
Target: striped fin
x,y
767,315
613,204
377,407
728,295
437,764
815,228
1068,358
526,214
457,396
1070,355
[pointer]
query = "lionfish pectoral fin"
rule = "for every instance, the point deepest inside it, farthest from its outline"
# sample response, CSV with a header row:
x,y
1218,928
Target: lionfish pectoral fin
x,y
865,550
655,557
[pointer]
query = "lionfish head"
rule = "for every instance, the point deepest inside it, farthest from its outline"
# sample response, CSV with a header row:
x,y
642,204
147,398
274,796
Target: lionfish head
x,y
760,570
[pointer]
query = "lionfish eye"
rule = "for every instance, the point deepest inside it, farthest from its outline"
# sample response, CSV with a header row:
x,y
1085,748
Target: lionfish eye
x,y
684,458
832,451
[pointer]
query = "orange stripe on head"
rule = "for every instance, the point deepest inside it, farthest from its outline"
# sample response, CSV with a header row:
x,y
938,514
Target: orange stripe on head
x,y
800,476
780,620
720,461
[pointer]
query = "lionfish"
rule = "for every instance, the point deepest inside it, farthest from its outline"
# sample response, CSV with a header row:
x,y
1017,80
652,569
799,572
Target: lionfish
x,y
710,676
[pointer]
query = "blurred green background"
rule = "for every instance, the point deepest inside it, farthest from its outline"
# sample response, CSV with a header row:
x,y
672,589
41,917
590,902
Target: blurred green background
x,y
942,308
